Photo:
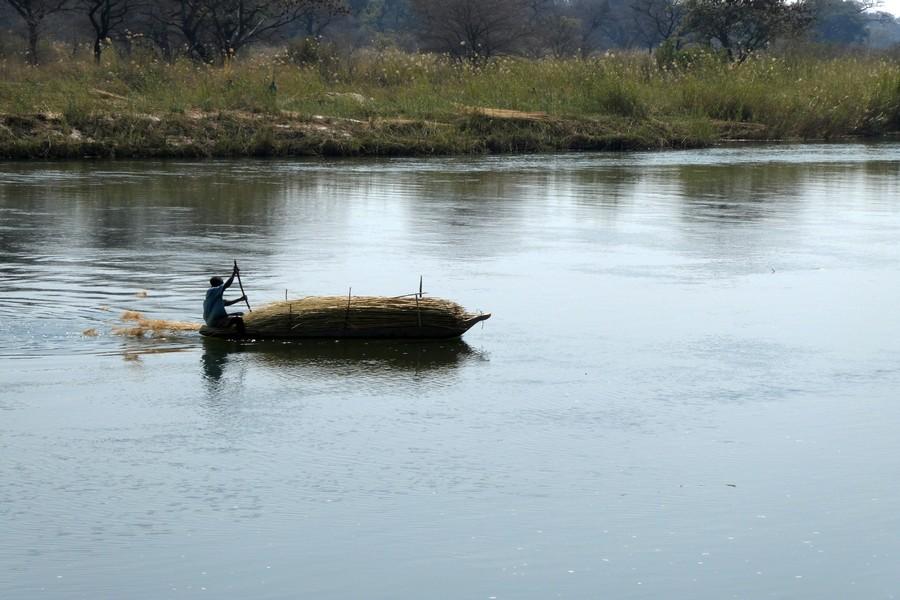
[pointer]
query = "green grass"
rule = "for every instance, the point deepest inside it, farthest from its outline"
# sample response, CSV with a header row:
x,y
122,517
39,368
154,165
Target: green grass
x,y
396,103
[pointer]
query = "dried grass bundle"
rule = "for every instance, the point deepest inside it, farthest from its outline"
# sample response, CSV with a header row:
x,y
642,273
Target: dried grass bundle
x,y
325,314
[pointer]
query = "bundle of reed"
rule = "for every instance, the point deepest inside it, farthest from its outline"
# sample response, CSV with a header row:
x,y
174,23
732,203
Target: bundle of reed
x,y
359,313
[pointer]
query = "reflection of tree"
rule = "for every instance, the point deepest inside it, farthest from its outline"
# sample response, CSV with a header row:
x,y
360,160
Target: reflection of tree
x,y
27,220
136,208
483,214
739,193
607,187
883,174
98,235
473,214
745,215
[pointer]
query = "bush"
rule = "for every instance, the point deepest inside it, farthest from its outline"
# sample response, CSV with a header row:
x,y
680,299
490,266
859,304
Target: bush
x,y
7,47
312,52
671,56
884,107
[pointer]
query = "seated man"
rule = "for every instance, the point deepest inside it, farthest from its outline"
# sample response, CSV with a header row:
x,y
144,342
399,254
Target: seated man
x,y
214,305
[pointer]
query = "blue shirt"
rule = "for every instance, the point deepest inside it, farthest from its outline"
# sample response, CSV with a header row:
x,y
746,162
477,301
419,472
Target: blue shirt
x,y
214,305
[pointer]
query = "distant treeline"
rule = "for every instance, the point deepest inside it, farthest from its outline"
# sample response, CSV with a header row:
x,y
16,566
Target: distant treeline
x,y
213,31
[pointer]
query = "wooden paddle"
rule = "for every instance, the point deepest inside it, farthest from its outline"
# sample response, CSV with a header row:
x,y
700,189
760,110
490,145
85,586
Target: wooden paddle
x,y
243,293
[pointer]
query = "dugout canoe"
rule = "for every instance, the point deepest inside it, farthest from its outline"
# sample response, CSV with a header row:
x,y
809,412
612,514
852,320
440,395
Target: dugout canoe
x,y
382,332
358,317
401,332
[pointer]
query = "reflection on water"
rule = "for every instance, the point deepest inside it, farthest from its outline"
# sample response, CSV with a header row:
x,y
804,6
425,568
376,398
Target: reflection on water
x,y
688,387
376,359
77,237
734,194
134,351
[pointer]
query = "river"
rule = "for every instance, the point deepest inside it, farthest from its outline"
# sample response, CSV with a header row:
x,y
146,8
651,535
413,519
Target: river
x,y
688,388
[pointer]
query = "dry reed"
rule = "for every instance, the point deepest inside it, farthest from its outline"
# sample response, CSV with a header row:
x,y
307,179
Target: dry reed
x,y
329,313
143,327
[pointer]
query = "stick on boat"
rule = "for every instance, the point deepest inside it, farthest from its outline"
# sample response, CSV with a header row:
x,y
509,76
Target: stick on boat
x,y
347,317
419,297
243,293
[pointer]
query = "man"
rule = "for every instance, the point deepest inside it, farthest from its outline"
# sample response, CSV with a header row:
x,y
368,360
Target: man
x,y
214,305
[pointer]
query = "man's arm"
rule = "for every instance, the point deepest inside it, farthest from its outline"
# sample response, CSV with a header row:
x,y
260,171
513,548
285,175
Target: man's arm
x,y
228,283
230,302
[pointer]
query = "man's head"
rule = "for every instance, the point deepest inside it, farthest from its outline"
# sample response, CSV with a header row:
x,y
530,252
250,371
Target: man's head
x,y
216,281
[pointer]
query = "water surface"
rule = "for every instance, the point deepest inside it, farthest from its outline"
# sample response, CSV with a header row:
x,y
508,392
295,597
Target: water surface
x,y
688,388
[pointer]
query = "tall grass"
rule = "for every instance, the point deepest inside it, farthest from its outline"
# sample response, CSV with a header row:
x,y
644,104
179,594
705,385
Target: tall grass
x,y
781,97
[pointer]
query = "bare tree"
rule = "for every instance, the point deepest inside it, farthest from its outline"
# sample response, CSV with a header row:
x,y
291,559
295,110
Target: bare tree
x,y
381,15
149,20
188,18
219,29
656,21
105,17
618,27
318,16
593,16
475,30
234,24
33,12
561,34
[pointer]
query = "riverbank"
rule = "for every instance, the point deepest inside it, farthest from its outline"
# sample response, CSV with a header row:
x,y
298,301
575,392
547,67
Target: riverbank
x,y
239,133
391,104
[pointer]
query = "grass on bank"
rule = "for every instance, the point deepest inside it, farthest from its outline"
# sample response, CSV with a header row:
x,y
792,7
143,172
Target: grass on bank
x,y
390,102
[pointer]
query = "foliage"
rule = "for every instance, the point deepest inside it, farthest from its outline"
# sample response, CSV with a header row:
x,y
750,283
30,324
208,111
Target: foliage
x,y
838,21
741,27
215,31
671,56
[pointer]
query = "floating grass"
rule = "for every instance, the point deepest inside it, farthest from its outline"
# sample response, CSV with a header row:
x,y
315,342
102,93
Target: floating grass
x,y
140,326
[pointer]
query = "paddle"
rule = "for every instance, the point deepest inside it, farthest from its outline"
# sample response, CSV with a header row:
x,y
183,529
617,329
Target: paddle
x,y
243,293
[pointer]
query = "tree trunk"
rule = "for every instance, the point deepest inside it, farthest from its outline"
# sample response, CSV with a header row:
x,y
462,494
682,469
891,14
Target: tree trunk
x,y
98,49
33,34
